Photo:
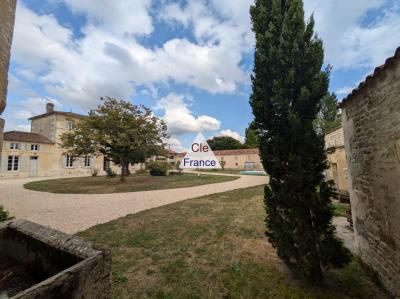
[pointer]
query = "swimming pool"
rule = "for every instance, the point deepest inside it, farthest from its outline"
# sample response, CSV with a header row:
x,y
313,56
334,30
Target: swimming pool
x,y
253,172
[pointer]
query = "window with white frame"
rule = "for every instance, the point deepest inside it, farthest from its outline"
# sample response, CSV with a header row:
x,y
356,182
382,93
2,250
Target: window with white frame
x,y
14,146
35,147
87,162
69,161
69,125
249,165
13,163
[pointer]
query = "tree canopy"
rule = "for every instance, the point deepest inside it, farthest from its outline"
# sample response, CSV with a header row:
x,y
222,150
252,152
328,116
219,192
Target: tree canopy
x,y
329,116
251,139
288,84
120,131
224,143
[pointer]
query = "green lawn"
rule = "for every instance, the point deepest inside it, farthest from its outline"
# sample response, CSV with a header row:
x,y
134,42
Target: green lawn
x,y
211,247
340,209
136,182
227,171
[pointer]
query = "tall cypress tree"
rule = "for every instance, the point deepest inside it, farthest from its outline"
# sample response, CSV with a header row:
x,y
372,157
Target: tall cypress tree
x,y
288,85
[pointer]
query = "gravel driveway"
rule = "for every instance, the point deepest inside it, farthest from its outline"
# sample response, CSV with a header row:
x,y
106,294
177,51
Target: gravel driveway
x,y
71,213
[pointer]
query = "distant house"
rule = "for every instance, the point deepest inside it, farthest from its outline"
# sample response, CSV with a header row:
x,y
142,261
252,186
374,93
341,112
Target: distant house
x,y
336,154
169,157
243,159
38,153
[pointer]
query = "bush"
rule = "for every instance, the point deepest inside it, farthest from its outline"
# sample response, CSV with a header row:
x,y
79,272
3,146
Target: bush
x,y
110,173
3,214
158,168
95,172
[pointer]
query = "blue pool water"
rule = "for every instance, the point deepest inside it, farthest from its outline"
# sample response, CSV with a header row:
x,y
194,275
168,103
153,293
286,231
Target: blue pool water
x,y
253,172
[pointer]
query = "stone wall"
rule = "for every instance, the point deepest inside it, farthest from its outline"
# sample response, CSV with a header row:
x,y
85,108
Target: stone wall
x,y
65,266
7,16
371,122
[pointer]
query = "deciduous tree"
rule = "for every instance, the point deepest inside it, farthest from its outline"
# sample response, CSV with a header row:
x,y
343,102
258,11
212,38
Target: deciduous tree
x,y
224,143
329,116
120,131
251,139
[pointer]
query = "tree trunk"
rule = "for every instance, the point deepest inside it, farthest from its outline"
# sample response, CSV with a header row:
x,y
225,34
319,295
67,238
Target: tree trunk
x,y
123,170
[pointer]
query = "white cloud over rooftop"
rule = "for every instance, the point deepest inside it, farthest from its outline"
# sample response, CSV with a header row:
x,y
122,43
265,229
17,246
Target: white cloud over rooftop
x,y
112,54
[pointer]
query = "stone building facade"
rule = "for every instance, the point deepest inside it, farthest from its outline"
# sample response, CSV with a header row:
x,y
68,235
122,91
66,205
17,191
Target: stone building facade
x,y
334,143
371,122
7,17
241,159
38,153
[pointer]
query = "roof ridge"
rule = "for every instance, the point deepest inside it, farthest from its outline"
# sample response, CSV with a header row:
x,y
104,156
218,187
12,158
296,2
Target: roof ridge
x,y
377,71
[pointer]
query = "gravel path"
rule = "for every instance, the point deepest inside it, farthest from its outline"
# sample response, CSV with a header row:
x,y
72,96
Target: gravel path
x,y
71,213
344,232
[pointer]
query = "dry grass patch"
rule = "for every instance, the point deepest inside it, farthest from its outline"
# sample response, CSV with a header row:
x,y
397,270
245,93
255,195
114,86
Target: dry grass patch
x,y
211,247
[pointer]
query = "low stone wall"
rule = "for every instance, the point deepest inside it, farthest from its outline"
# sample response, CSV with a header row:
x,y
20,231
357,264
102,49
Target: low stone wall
x,y
67,266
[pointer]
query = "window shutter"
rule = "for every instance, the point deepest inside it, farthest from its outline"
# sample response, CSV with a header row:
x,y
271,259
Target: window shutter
x,y
4,161
63,161
23,163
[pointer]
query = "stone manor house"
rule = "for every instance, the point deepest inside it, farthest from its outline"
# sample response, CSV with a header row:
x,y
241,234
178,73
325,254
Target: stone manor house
x,y
38,153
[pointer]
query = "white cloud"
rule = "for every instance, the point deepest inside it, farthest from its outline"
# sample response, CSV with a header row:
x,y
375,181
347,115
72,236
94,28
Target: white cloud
x,y
19,112
233,134
122,16
180,119
109,60
350,42
344,91
24,128
175,144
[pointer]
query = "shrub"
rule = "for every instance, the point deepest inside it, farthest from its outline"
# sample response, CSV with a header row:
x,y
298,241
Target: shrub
x,y
158,168
3,214
95,172
110,173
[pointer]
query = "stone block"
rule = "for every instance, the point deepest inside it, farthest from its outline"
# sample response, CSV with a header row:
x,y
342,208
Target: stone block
x,y
52,264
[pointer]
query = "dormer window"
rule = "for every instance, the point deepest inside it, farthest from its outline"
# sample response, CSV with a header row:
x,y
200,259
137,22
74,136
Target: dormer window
x,y
14,146
35,147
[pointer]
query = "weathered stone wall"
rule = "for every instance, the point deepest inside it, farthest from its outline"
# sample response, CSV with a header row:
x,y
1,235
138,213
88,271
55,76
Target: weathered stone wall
x,y
66,266
371,122
7,16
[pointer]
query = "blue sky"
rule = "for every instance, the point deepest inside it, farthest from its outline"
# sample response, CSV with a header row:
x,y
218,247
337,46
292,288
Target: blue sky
x,y
190,61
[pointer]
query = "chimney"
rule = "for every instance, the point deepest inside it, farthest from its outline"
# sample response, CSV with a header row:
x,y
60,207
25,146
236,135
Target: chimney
x,y
49,107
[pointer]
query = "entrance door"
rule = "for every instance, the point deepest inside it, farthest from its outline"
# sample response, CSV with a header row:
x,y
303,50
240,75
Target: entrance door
x,y
33,166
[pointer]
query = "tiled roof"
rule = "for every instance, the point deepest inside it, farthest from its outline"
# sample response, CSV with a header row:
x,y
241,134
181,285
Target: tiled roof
x,y
378,71
171,152
243,151
70,114
26,137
